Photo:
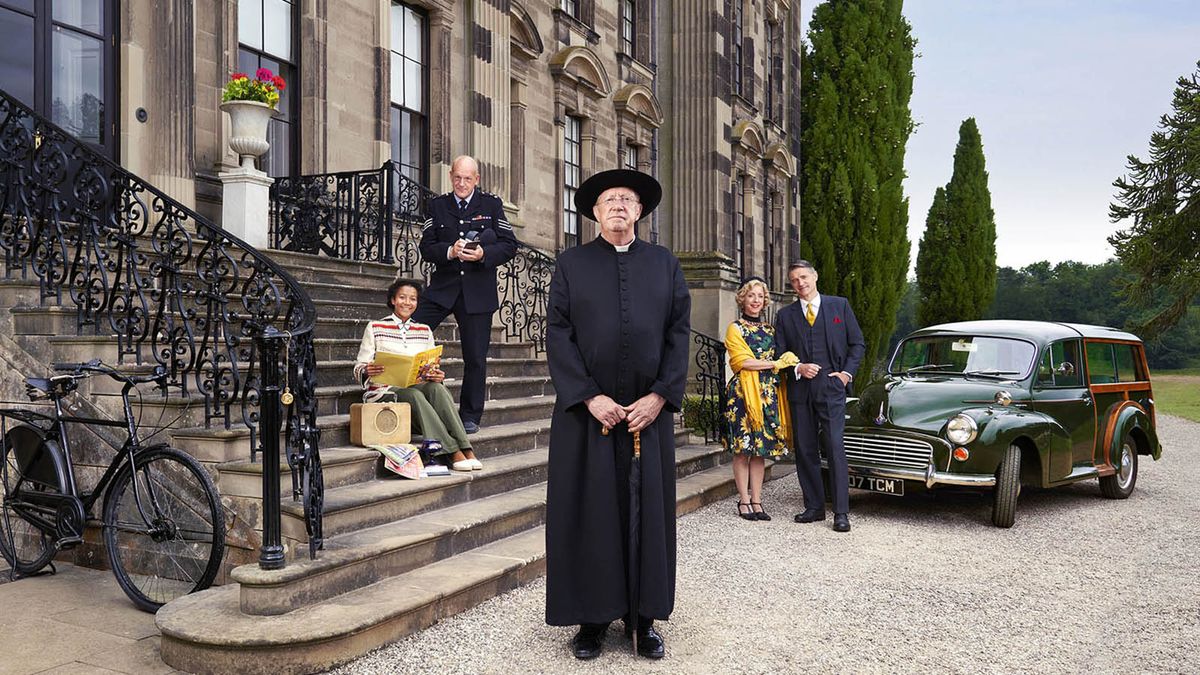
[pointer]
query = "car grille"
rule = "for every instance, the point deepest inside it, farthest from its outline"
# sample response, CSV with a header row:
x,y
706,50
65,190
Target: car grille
x,y
895,451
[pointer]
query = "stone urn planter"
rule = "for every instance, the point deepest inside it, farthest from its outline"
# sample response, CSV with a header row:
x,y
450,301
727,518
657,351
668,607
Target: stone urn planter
x,y
249,137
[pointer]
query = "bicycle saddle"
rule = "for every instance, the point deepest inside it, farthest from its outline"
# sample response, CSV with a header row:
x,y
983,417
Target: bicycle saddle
x,y
41,384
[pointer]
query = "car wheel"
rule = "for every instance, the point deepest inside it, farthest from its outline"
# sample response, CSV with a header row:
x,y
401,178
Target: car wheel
x,y
1120,484
1008,488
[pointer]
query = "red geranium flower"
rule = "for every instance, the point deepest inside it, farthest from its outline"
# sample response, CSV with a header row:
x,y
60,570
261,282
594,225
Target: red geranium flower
x,y
278,82
264,74
238,76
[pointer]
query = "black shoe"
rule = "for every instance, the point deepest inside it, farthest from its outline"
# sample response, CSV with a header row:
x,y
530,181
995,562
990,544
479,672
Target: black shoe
x,y
841,522
589,641
809,516
749,512
761,513
470,427
649,643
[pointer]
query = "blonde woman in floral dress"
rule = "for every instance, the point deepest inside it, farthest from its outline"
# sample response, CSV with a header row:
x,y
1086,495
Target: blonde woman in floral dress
x,y
756,425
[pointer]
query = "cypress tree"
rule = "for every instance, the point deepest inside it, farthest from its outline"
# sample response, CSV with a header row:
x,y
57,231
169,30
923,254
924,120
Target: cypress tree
x,y
956,262
855,125
940,272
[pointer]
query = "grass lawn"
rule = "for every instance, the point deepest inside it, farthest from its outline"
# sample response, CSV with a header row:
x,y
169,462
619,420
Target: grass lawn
x,y
1177,392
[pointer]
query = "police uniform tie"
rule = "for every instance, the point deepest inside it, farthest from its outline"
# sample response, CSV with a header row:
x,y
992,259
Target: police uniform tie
x,y
462,205
811,314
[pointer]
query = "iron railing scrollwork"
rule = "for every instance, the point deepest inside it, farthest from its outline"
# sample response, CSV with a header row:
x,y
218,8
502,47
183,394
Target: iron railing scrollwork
x,y
524,287
173,288
710,386
377,215
372,215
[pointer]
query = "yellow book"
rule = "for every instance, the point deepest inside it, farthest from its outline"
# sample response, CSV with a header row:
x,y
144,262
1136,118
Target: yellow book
x,y
403,370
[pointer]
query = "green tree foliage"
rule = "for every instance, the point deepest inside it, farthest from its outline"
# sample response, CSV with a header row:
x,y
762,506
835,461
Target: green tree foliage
x,y
1075,292
1162,196
855,123
956,262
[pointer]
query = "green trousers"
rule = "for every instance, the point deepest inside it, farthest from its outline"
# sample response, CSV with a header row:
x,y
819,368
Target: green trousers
x,y
434,414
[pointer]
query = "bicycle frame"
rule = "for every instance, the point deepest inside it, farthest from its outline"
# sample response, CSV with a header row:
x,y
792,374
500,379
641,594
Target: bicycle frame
x,y
57,430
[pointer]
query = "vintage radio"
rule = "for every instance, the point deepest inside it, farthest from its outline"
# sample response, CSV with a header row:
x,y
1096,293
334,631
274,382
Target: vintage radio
x,y
380,423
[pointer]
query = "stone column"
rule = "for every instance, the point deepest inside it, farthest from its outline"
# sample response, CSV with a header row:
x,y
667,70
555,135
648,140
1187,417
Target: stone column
x,y
158,76
489,36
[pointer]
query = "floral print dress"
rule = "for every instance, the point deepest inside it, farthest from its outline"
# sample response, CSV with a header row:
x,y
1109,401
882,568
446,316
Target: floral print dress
x,y
740,436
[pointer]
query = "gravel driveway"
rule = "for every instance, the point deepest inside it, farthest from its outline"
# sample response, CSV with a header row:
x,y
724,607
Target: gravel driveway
x,y
1080,584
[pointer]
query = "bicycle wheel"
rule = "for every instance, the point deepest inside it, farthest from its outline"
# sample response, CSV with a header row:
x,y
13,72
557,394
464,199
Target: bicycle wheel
x,y
165,533
26,548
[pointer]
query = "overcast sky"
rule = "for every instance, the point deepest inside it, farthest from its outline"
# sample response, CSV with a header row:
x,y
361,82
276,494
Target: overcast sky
x,y
1063,91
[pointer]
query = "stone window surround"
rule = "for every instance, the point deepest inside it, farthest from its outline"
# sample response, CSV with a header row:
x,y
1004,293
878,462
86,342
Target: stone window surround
x,y
580,86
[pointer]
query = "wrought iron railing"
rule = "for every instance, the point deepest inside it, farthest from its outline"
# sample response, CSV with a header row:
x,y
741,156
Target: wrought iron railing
x,y
372,215
710,386
228,324
377,215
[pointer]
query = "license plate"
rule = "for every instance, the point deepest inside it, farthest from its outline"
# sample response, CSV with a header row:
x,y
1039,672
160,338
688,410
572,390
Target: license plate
x,y
887,486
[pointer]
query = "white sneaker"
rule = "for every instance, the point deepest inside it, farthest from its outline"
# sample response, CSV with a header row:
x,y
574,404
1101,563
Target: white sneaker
x,y
462,465
476,464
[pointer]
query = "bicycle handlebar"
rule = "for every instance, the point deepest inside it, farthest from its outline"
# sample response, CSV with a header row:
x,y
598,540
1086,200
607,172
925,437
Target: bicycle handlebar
x,y
77,370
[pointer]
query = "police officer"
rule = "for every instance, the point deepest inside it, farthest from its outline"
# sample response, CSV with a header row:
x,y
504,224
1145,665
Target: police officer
x,y
466,238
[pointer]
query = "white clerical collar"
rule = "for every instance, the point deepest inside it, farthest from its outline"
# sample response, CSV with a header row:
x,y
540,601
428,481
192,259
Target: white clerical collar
x,y
624,248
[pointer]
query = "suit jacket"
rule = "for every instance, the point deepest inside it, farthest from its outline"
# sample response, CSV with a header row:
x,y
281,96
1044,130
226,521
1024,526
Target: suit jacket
x,y
475,280
843,340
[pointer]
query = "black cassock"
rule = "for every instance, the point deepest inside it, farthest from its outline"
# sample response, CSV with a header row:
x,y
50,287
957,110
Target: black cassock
x,y
618,324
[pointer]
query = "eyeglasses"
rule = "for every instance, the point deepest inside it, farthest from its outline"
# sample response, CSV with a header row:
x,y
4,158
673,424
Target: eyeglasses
x,y
624,200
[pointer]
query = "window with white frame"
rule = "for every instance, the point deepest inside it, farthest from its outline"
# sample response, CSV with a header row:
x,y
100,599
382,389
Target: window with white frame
x,y
631,157
628,27
571,7
266,38
409,104
572,175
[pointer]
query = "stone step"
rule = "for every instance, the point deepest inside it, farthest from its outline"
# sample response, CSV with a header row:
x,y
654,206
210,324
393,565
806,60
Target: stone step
x,y
308,267
360,556
348,464
362,505
343,349
337,400
207,632
341,373
366,504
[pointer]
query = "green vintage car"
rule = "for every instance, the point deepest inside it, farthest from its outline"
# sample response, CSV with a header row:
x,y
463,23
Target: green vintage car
x,y
1001,404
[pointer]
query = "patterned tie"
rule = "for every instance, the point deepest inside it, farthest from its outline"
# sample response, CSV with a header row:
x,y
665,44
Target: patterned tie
x,y
811,314
462,205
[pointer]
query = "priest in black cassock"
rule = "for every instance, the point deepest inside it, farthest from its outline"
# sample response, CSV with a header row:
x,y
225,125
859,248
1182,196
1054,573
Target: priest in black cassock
x,y
617,344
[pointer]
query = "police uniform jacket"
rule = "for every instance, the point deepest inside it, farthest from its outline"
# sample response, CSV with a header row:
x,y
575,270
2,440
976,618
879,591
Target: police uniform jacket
x,y
475,280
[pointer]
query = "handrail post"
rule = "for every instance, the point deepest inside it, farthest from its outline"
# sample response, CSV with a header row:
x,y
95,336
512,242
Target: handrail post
x,y
271,557
389,202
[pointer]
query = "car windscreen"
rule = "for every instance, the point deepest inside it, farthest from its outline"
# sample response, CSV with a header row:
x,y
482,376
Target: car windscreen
x,y
984,356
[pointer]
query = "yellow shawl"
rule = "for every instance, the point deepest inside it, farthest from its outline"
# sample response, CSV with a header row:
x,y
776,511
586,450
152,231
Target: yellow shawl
x,y
750,385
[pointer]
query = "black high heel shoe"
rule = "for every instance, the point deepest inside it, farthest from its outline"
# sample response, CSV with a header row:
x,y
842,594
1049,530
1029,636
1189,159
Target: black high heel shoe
x,y
749,514
761,514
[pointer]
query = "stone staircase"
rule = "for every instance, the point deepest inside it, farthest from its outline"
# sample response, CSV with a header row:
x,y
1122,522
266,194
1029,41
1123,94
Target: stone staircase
x,y
399,554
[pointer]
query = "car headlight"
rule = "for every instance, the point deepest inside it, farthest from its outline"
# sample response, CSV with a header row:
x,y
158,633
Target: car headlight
x,y
961,429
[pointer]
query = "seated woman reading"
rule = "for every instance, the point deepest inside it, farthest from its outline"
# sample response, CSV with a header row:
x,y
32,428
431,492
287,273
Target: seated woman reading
x,y
433,409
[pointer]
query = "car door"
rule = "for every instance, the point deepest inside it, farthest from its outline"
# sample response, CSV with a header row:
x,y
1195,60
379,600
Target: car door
x,y
1060,391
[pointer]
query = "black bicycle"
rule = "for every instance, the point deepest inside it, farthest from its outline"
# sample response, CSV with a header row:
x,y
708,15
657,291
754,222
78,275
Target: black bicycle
x,y
162,520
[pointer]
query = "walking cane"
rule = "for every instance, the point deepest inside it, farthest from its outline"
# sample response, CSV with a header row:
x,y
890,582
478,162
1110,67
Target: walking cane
x,y
635,531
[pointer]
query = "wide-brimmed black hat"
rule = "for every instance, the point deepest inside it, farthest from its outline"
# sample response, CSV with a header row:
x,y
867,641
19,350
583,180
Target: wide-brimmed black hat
x,y
648,190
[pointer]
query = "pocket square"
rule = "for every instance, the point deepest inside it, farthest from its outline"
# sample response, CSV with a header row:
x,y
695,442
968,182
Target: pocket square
x,y
837,319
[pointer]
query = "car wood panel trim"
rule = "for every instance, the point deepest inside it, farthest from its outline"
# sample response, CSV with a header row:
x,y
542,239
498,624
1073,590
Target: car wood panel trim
x,y
1111,429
